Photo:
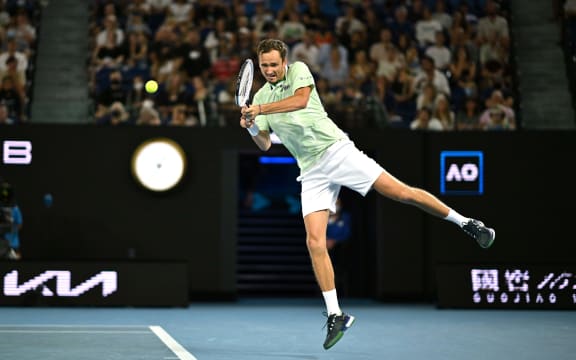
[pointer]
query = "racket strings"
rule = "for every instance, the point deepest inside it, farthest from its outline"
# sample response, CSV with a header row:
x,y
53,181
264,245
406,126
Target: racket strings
x,y
245,83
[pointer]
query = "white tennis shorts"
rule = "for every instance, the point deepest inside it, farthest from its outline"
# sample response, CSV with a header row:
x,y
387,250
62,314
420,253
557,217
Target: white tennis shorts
x,y
343,164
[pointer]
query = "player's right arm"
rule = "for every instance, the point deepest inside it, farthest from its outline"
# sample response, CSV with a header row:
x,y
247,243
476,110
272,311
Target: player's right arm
x,y
261,138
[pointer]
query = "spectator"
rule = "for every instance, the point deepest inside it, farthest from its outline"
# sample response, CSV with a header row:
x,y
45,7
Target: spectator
x,y
430,74
499,114
157,13
195,57
461,64
114,91
493,62
468,118
335,70
179,117
136,96
493,26
460,37
115,115
425,121
174,92
439,52
261,19
207,12
164,59
357,42
389,66
441,15
18,77
12,98
413,60
5,119
403,102
181,11
141,8
400,24
291,30
330,97
348,23
216,37
325,50
201,104
426,29
287,7
361,69
313,17
110,26
110,54
12,51
444,113
379,50
23,32
373,27
136,51
306,51
427,98
496,118
148,116
136,24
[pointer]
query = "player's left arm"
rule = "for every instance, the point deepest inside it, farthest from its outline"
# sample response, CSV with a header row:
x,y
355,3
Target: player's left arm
x,y
294,102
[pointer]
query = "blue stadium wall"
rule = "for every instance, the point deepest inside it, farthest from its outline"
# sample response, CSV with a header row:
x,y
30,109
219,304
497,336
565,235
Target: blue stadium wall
x,y
100,213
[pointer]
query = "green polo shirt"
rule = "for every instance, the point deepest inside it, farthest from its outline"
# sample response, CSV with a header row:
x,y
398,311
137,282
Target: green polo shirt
x,y
307,132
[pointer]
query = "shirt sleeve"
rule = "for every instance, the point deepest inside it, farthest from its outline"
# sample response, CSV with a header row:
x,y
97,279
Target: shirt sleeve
x,y
300,75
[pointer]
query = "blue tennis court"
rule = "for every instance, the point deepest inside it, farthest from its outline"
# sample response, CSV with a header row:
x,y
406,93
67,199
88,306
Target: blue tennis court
x,y
283,329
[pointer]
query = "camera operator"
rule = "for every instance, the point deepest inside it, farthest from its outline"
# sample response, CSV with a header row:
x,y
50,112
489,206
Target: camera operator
x,y
10,223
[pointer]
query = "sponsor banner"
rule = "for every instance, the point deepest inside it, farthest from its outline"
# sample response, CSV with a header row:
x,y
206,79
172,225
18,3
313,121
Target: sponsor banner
x,y
93,283
507,286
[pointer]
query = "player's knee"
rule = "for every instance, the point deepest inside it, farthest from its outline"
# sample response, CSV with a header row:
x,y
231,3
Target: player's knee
x,y
315,244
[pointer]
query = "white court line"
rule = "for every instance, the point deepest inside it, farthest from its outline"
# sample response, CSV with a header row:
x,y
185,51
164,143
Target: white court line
x,y
73,326
172,344
72,332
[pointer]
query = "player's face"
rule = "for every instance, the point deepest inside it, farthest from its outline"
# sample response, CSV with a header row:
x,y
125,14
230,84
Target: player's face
x,y
272,66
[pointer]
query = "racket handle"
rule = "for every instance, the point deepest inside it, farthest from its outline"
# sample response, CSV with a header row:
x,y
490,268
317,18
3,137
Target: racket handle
x,y
248,105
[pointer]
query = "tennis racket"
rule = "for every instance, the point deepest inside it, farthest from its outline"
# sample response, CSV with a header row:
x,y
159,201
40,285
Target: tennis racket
x,y
244,83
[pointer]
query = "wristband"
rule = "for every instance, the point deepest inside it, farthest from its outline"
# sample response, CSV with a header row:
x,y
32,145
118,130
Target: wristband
x,y
253,130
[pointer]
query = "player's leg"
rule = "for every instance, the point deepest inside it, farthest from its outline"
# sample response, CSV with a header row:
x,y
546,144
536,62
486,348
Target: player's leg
x,y
318,199
389,186
316,224
337,322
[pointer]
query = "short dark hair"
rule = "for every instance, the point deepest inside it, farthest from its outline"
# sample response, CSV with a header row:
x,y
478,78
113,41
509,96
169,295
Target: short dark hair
x,y
268,45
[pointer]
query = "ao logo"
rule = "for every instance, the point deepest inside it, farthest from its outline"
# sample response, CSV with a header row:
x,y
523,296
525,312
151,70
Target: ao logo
x,y
461,172
468,172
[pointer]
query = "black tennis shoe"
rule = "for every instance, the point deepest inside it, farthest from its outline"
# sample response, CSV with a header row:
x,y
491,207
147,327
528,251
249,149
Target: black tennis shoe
x,y
336,325
483,235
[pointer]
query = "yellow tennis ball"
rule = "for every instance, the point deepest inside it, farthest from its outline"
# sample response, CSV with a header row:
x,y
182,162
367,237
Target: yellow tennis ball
x,y
151,86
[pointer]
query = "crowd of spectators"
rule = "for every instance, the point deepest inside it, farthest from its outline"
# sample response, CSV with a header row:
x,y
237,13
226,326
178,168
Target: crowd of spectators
x,y
414,64
19,23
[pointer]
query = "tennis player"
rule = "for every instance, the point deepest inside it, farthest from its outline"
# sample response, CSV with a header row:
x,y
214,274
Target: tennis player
x,y
288,104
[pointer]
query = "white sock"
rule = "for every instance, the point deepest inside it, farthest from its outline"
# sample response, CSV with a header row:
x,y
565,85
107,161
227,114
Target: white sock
x,y
456,218
331,300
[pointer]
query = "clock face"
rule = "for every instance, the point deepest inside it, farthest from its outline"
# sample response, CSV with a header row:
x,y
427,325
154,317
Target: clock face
x,y
159,164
